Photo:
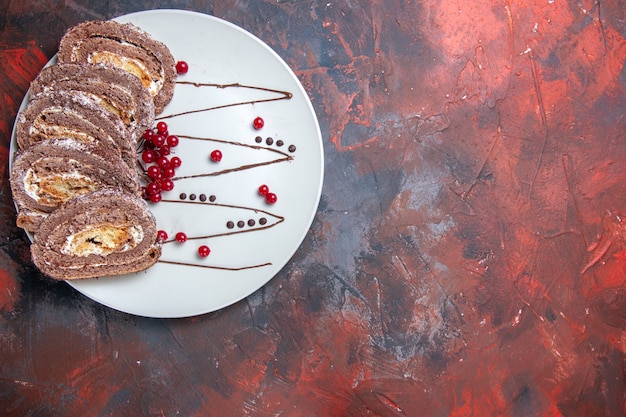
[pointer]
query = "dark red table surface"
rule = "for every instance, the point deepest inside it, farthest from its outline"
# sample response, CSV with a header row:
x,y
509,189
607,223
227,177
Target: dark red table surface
x,y
468,257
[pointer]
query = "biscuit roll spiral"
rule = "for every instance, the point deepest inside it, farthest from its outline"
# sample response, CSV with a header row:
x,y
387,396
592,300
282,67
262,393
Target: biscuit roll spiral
x,y
50,173
77,116
104,233
116,90
124,46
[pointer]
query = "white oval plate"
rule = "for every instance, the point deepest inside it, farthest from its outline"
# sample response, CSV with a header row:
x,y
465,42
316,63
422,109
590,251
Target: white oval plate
x,y
242,259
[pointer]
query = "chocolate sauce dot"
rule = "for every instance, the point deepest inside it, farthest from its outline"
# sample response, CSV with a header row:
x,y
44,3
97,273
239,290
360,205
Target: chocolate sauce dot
x,y
202,197
279,143
251,222
269,141
182,196
192,197
262,221
230,224
241,224
212,198
258,139
292,148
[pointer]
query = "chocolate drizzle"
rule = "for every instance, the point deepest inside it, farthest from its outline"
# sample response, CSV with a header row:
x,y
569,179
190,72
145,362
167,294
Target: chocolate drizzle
x,y
282,95
221,268
264,225
285,157
282,157
279,219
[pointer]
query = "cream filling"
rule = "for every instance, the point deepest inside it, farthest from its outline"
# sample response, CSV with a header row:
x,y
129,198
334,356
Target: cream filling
x,y
103,239
42,129
56,188
152,82
111,108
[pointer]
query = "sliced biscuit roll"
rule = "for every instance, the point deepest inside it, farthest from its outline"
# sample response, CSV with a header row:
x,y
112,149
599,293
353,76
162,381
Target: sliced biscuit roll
x,y
104,233
124,46
48,174
114,89
74,115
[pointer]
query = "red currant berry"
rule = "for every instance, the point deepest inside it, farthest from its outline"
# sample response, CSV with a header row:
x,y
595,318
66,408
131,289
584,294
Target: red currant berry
x,y
181,237
271,198
216,155
162,235
161,127
148,156
204,251
168,172
175,162
148,135
167,185
264,189
163,162
258,123
144,193
172,141
154,172
182,67
164,150
153,188
155,198
158,140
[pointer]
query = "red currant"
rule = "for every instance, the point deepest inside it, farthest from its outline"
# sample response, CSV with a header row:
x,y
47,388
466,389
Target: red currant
x,y
148,156
182,67
154,172
168,172
158,140
167,185
264,189
258,123
164,150
204,251
271,198
163,162
181,237
161,127
155,198
175,162
148,135
172,141
153,188
216,155
162,235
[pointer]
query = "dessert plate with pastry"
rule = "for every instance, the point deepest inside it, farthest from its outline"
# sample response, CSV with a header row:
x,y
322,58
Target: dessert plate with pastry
x,y
158,172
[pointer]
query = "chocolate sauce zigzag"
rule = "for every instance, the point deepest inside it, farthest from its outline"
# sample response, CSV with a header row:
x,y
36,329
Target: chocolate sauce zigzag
x,y
221,225
221,268
103,233
48,174
256,219
239,219
276,95
125,46
221,169
118,91
73,115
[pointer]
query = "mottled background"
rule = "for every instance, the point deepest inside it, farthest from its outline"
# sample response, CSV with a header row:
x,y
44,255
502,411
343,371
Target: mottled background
x,y
468,257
